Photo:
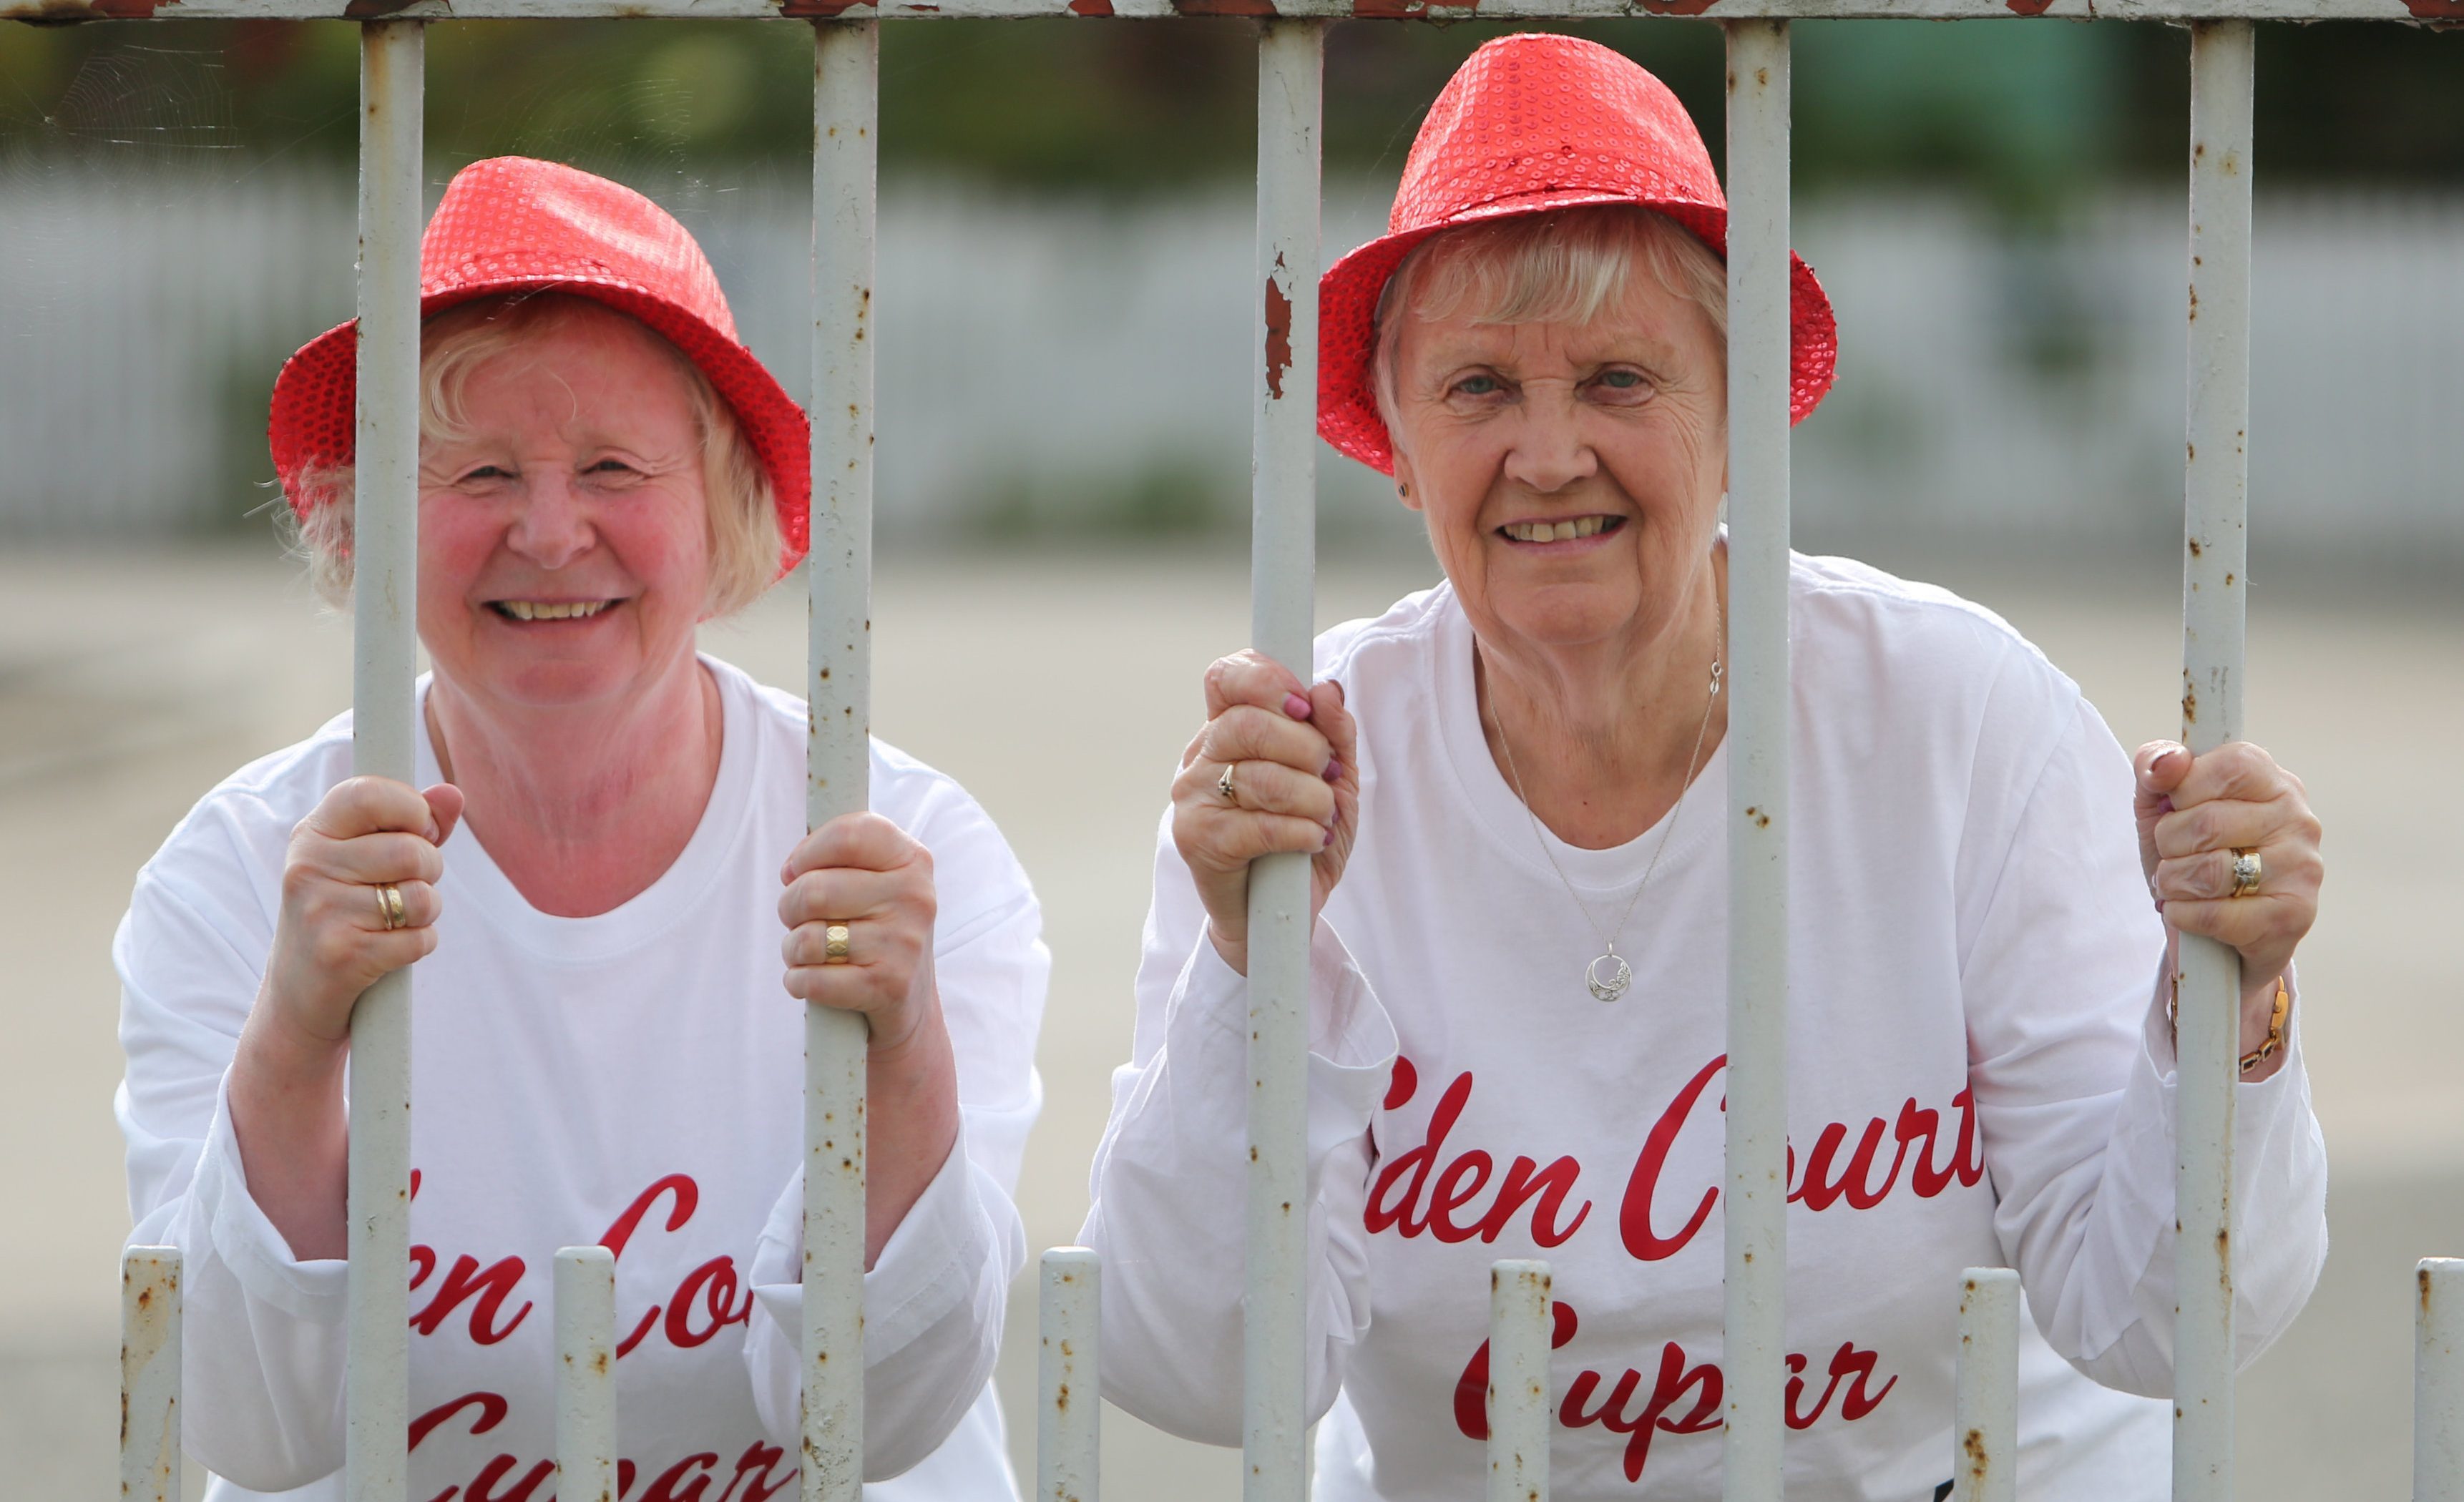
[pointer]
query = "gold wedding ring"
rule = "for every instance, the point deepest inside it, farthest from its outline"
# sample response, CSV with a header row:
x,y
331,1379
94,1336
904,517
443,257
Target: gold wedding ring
x,y
2245,872
390,908
834,945
1223,786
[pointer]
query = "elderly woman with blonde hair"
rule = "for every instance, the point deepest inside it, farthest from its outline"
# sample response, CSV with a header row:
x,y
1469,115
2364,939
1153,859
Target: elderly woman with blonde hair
x,y
620,918
1512,788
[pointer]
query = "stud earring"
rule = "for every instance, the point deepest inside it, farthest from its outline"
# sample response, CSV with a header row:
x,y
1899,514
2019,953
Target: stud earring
x,y
1404,490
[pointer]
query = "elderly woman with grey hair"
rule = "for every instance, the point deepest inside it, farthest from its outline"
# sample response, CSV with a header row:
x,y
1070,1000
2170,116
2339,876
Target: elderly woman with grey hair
x,y
1511,786
620,920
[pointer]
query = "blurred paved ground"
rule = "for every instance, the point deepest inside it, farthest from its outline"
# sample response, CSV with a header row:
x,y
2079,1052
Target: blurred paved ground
x,y
1059,688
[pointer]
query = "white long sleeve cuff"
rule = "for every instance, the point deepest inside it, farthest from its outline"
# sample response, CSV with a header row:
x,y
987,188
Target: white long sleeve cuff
x,y
933,1306
2279,1176
1169,1185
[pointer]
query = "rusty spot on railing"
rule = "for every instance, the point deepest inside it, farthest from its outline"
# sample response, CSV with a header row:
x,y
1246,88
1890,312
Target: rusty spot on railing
x,y
1279,329
69,13
1979,1459
2421,1277
1410,9
1061,1397
2195,549
2190,716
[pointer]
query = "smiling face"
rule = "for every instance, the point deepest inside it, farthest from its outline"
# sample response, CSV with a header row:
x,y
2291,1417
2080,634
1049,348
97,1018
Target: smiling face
x,y
564,521
1570,472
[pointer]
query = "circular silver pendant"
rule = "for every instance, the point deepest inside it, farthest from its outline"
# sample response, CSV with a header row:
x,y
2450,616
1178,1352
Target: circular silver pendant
x,y
1613,985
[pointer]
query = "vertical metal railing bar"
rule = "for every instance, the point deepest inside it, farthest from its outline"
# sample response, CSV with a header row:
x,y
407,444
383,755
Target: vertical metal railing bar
x,y
149,1374
2213,576
846,56
1519,1331
2438,1380
1756,1210
1984,1438
1283,579
1069,1426
385,547
585,1374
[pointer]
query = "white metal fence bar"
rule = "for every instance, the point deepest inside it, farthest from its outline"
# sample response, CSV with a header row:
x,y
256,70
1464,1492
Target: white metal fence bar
x,y
2438,1380
385,547
847,58
2214,574
1068,1424
2164,10
149,1374
585,1374
1756,1212
1984,1438
1519,1328
1282,564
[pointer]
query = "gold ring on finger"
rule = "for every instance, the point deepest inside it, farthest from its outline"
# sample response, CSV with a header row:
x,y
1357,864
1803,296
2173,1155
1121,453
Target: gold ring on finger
x,y
2246,872
390,907
1223,786
835,948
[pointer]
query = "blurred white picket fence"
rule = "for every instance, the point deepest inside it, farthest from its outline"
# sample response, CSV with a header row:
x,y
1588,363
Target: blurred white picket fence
x,y
1081,362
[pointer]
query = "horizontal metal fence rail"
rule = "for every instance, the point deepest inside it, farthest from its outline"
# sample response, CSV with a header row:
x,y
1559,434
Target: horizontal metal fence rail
x,y
2413,10
1290,72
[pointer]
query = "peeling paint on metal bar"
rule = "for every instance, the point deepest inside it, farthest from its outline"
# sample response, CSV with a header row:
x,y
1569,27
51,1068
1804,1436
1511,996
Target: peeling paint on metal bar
x,y
1519,1408
2215,471
1282,564
376,1396
2439,1382
1985,1449
838,762
585,1374
149,1374
1068,1432
1755,1210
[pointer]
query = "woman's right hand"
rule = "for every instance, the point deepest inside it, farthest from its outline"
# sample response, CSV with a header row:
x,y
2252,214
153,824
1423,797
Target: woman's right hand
x,y
1295,787
330,941
330,944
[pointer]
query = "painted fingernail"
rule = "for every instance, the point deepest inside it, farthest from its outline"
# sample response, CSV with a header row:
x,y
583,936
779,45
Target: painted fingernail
x,y
1335,772
1296,707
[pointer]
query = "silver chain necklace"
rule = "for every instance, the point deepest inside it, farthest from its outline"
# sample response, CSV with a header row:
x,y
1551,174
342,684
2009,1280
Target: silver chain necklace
x,y
1618,975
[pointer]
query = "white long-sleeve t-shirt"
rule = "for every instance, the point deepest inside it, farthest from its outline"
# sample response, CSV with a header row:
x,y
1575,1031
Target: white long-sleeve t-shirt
x,y
633,1078
1978,1075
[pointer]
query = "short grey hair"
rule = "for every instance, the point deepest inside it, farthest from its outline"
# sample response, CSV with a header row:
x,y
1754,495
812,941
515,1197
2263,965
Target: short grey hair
x,y
1562,267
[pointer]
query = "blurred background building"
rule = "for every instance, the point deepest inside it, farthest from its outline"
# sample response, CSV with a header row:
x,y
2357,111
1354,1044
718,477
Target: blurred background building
x,y
1064,238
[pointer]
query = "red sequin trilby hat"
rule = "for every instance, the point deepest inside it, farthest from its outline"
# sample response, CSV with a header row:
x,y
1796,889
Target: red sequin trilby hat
x,y
1527,124
510,224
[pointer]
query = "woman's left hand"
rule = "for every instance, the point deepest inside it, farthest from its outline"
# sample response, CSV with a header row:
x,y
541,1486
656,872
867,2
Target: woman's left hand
x,y
2194,817
865,872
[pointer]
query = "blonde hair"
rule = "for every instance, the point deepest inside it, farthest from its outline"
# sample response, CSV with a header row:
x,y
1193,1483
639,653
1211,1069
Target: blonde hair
x,y
741,504
1563,267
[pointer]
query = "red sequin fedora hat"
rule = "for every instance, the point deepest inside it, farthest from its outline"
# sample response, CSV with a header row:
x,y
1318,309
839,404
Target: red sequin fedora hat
x,y
512,225
1527,124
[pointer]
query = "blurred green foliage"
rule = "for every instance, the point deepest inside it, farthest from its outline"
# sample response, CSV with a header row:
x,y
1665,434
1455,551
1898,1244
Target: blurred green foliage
x,y
2022,112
